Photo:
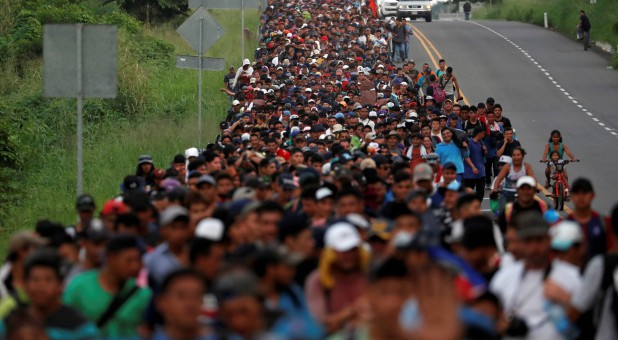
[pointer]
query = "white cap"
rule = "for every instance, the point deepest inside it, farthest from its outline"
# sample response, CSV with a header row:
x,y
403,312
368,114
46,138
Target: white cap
x,y
323,193
245,136
308,89
373,114
336,128
390,105
526,180
252,80
505,159
412,113
565,234
345,67
246,62
342,237
358,220
191,152
429,98
374,145
210,228
235,102
404,83
326,169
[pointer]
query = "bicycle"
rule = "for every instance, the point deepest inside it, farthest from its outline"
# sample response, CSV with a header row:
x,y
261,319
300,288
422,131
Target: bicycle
x,y
559,191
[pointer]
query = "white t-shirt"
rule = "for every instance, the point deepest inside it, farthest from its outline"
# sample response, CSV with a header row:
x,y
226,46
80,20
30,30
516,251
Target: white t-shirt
x,y
521,294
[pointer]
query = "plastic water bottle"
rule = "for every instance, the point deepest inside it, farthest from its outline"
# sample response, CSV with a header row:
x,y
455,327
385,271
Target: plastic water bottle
x,y
557,316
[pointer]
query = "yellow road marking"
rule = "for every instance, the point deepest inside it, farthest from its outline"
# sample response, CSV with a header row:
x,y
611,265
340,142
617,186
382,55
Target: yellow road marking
x,y
427,44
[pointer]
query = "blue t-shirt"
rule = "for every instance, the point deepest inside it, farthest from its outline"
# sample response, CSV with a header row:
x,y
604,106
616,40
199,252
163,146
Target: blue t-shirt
x,y
477,158
451,153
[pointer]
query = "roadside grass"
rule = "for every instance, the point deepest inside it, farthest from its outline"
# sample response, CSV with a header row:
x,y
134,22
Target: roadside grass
x,y
113,145
562,15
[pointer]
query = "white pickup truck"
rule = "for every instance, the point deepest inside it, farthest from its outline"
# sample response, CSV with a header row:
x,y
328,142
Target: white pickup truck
x,y
414,9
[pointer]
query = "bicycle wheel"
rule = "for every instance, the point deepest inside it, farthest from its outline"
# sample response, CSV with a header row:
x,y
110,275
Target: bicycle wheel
x,y
559,197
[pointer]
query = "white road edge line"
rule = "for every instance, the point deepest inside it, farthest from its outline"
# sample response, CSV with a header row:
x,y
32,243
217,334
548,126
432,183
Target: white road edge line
x,y
525,53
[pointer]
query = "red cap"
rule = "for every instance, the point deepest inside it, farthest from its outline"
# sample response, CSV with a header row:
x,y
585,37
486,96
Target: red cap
x,y
113,207
324,38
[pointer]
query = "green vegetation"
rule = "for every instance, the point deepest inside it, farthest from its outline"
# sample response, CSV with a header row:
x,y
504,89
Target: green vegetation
x,y
563,15
155,111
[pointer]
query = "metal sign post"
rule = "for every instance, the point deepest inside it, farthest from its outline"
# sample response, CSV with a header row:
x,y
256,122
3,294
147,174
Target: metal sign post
x,y
199,87
80,114
80,61
242,28
201,31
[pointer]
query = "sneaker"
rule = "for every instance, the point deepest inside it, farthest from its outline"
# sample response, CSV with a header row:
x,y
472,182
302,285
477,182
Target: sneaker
x,y
487,187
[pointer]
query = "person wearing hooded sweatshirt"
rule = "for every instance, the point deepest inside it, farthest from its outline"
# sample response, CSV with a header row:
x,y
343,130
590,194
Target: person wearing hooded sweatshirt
x,y
145,169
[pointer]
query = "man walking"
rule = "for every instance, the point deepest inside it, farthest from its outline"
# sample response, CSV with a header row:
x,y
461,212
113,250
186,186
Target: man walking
x,y
399,39
467,9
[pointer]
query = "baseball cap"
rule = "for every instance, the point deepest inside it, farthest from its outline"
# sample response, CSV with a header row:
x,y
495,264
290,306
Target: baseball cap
x,y
191,152
531,224
370,136
323,193
24,239
235,102
206,179
210,228
416,193
113,206
358,220
342,237
172,214
143,159
85,202
505,159
526,180
95,231
565,234
432,158
422,172
286,181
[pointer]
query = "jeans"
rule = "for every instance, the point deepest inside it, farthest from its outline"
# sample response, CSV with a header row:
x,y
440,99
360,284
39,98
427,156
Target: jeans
x,y
399,50
491,168
467,15
478,184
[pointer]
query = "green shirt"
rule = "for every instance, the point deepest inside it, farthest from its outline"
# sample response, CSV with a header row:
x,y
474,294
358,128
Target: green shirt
x,y
85,294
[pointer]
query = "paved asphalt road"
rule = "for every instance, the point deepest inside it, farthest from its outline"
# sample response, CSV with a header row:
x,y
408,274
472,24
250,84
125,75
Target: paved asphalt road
x,y
530,84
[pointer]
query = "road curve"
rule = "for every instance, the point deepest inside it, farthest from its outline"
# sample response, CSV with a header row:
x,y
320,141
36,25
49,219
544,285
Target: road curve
x,y
544,81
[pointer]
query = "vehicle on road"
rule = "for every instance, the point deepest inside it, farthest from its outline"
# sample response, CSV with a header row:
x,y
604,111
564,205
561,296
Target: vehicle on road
x,y
414,9
387,8
559,192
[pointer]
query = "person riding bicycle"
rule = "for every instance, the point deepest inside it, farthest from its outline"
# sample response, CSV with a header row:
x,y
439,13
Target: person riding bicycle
x,y
510,173
555,164
555,144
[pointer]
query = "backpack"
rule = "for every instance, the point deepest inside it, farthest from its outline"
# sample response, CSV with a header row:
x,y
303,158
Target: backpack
x,y
438,93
